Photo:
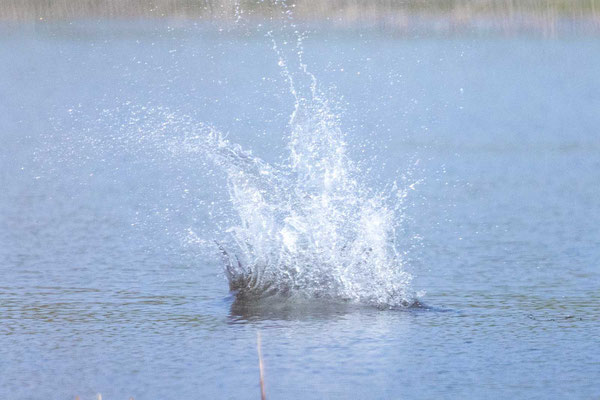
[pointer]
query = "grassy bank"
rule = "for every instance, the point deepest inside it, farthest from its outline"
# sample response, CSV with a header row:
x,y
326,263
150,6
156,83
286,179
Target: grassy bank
x,y
542,15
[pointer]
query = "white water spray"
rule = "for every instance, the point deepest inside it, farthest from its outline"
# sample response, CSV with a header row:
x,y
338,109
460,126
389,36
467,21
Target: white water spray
x,y
309,227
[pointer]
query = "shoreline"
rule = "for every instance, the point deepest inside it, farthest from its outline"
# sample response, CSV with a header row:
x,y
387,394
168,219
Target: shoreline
x,y
546,18
409,26
344,10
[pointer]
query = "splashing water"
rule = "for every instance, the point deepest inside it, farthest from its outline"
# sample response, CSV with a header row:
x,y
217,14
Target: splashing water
x,y
308,227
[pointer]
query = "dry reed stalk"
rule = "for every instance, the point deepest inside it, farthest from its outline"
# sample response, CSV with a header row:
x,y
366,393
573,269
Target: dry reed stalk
x,y
263,395
347,10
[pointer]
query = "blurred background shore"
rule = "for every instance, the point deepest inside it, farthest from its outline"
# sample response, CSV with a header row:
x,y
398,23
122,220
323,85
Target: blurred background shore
x,y
547,17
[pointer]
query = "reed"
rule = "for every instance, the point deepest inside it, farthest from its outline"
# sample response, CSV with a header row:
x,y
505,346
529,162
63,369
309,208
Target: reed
x,y
99,397
263,394
340,10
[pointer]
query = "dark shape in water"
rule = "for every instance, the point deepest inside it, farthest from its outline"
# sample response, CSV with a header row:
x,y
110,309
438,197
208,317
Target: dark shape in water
x,y
250,290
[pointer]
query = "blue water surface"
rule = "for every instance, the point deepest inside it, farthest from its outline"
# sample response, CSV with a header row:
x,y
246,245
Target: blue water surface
x,y
101,290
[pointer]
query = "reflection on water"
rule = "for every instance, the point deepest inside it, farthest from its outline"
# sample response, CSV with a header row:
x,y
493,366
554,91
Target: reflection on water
x,y
245,310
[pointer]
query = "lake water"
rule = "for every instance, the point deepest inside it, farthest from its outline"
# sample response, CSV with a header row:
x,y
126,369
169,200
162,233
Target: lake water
x,y
110,282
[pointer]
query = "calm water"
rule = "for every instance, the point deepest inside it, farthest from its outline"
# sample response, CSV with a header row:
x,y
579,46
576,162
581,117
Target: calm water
x,y
103,290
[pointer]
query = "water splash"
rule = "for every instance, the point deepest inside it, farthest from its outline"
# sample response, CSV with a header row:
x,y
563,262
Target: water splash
x,y
308,227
